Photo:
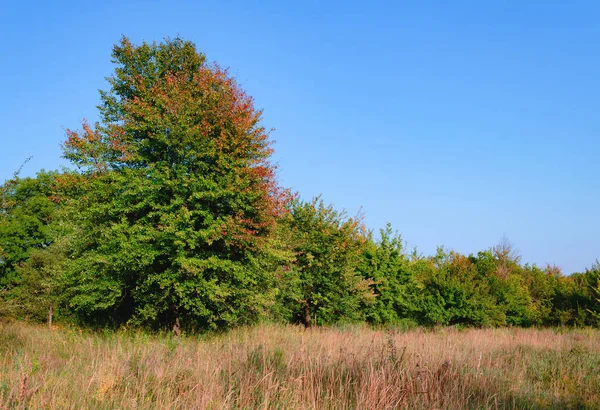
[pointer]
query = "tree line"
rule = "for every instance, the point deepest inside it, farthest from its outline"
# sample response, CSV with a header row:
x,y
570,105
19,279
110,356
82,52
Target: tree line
x,y
173,218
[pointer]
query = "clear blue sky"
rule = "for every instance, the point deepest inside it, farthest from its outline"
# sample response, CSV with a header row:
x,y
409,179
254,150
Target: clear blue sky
x,y
459,122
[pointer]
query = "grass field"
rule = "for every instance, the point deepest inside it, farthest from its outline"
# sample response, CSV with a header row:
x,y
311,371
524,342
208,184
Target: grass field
x,y
285,367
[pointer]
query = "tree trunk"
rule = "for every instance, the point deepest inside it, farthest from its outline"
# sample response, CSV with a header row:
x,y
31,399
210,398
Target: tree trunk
x,y
177,327
50,314
307,318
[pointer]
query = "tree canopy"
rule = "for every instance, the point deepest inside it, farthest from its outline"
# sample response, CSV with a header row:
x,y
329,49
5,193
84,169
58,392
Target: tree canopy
x,y
174,218
181,197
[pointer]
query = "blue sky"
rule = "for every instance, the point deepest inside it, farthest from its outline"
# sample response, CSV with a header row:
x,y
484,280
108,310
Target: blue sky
x,y
458,122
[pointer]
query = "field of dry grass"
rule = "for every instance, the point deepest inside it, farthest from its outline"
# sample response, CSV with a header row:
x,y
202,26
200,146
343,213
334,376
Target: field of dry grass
x,y
285,367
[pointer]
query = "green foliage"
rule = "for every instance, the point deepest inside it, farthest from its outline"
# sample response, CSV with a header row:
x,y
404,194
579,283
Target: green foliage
x,y
571,303
540,286
507,286
180,202
452,293
592,277
40,284
395,287
25,213
328,247
175,219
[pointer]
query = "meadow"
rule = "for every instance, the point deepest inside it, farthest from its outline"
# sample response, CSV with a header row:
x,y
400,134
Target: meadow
x,y
288,367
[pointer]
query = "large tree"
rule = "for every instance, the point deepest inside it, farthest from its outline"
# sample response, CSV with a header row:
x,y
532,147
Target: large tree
x,y
180,199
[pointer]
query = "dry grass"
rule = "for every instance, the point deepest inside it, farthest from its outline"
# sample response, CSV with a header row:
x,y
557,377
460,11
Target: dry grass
x,y
279,367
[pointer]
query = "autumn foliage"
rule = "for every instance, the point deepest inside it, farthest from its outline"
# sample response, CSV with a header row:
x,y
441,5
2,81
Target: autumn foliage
x,y
174,219
181,178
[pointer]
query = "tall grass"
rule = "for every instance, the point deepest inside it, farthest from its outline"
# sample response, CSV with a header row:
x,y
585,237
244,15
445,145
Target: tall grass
x,y
285,367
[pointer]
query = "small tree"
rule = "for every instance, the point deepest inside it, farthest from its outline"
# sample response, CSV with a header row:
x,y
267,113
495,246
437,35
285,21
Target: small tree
x,y
39,287
26,212
454,293
507,257
328,248
395,287
592,276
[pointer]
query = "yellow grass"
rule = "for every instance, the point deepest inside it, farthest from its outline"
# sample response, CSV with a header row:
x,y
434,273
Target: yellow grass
x,y
286,367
